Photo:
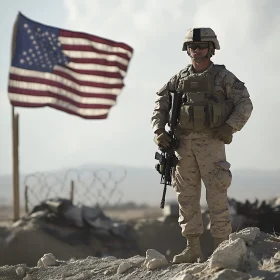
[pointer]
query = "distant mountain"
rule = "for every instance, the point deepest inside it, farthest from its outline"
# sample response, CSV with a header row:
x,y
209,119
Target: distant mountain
x,y
141,185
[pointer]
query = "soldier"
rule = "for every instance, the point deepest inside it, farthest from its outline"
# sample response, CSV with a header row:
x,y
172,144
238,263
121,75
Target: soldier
x,y
215,104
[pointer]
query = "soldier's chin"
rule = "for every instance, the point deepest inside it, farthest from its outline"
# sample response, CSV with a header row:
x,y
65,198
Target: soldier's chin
x,y
199,58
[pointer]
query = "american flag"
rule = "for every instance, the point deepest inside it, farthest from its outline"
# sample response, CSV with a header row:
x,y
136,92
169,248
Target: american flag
x,y
78,73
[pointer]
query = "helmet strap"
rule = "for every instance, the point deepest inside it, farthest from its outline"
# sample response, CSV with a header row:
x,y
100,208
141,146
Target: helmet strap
x,y
210,51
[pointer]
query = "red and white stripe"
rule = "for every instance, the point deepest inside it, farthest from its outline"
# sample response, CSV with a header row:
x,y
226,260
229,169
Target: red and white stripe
x,y
88,87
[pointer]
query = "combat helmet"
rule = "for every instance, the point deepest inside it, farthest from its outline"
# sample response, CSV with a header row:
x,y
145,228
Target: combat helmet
x,y
201,34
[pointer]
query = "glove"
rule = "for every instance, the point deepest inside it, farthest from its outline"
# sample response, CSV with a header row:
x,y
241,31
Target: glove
x,y
162,139
224,133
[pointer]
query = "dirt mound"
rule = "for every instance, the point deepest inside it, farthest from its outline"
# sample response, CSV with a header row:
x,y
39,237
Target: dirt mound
x,y
67,231
249,254
71,232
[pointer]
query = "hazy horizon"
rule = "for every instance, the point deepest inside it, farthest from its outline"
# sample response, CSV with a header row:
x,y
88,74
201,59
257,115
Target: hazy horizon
x,y
141,185
116,165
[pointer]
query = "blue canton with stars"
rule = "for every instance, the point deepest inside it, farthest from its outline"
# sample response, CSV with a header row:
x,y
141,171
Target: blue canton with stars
x,y
37,46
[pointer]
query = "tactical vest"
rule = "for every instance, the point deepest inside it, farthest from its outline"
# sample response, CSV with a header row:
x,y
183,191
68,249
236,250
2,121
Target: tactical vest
x,y
202,108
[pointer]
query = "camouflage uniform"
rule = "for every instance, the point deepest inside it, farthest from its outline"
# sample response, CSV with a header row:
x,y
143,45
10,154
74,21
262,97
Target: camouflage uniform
x,y
203,157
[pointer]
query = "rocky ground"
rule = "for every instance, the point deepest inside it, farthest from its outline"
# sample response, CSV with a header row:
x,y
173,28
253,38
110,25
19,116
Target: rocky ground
x,y
249,254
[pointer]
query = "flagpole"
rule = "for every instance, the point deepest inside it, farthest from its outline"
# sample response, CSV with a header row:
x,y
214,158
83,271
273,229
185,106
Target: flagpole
x,y
15,137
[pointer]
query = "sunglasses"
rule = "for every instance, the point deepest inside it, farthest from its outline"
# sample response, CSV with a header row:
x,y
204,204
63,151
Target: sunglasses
x,y
201,46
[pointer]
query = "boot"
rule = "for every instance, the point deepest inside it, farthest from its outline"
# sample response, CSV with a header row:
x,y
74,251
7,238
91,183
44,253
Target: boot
x,y
191,253
218,241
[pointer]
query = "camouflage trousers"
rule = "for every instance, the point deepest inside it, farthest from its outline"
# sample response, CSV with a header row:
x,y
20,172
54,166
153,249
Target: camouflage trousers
x,y
202,159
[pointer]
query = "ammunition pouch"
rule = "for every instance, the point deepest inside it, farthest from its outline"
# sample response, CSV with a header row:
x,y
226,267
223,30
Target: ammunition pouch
x,y
192,117
219,113
202,107
201,117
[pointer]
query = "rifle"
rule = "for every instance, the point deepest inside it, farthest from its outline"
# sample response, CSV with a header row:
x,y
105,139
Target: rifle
x,y
167,158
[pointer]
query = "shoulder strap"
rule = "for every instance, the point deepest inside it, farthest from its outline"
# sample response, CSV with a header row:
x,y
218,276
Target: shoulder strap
x,y
217,68
185,72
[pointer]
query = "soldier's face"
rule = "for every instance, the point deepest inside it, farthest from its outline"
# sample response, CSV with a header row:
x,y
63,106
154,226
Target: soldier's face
x,y
198,50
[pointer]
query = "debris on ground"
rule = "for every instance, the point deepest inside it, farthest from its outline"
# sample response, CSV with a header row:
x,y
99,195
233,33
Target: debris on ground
x,y
254,255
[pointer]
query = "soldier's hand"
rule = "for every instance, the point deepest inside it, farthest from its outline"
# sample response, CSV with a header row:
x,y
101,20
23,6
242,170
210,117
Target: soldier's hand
x,y
162,139
224,133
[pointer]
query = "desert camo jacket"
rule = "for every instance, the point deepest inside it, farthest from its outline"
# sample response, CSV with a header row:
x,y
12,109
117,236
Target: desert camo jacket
x,y
225,81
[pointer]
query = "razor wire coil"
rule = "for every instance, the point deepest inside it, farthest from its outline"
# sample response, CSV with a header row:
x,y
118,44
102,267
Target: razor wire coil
x,y
83,186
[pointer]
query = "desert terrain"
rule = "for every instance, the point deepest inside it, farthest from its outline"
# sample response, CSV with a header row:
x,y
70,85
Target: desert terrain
x,y
32,249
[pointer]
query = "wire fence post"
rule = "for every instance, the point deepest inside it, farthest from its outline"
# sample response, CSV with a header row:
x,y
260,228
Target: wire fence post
x,y
26,199
84,187
72,188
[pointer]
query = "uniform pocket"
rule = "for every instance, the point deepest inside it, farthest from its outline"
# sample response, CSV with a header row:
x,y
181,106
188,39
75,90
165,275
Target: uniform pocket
x,y
222,175
175,181
192,117
186,117
219,113
199,118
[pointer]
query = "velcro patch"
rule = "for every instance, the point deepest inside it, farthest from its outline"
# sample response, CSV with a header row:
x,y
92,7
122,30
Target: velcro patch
x,y
237,84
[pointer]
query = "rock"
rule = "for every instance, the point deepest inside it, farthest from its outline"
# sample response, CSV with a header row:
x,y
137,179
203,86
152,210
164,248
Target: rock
x,y
91,258
196,268
277,256
228,274
123,267
229,255
47,260
20,271
154,259
109,258
28,277
230,261
184,276
136,260
248,235
250,262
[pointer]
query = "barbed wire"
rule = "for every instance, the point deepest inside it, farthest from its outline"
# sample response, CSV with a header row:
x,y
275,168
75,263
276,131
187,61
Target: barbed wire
x,y
83,186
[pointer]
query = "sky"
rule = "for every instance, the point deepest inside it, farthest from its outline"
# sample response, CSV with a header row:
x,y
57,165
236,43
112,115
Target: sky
x,y
248,32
